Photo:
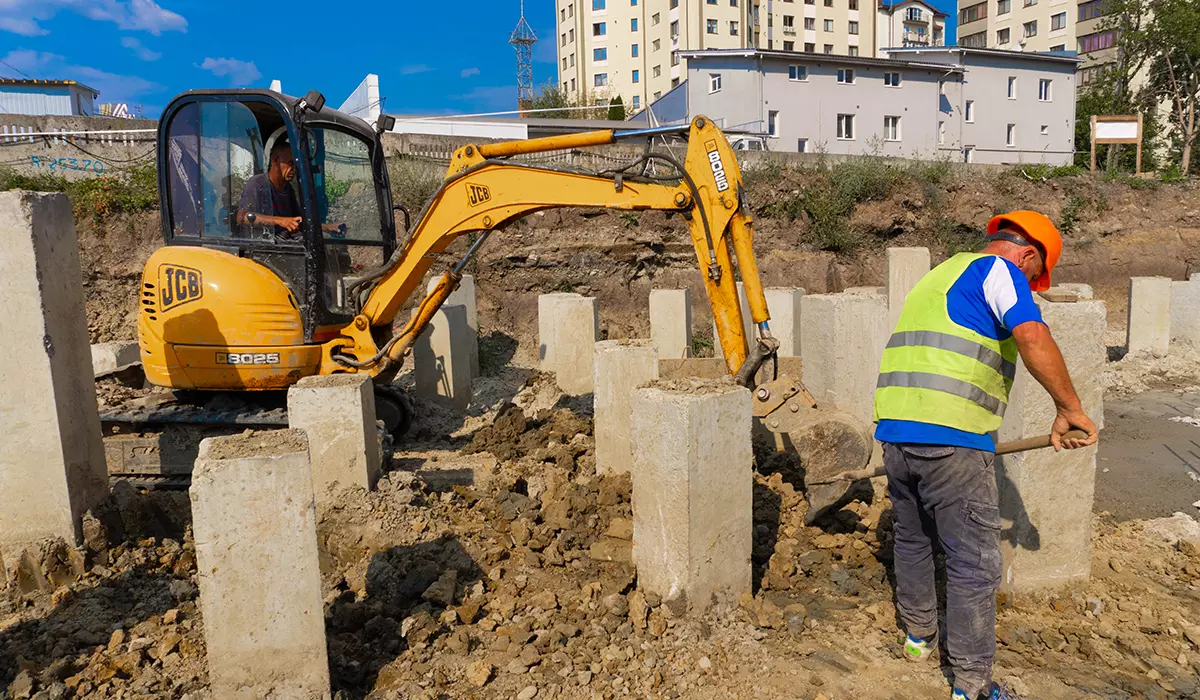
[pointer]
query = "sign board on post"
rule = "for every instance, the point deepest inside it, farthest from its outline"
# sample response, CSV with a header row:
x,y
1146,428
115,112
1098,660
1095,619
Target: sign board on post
x,y
1117,129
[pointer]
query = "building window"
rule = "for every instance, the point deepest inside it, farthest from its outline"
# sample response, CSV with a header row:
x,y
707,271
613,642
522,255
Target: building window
x,y
655,19
913,14
598,5
969,112
941,133
1010,135
637,76
674,4
891,128
571,37
712,2
810,23
674,82
1003,7
1092,9
600,80
969,154
891,79
600,29
564,39
1030,28
564,63
1012,87
571,10
733,3
637,101
972,13
974,41
852,51
799,73
828,3
846,76
1044,90
1096,42
563,15
828,25
854,27
1058,47
828,48
674,58
802,145
789,21
600,54
845,127
1045,130
773,123
1002,36
1030,3
675,30
711,26
810,2
853,5
733,28
714,83
657,44
633,50
572,60
633,3
1058,21
789,46
656,71
633,24
810,47
658,94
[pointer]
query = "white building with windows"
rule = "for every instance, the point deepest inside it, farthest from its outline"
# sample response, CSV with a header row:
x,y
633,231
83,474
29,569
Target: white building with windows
x,y
908,23
938,102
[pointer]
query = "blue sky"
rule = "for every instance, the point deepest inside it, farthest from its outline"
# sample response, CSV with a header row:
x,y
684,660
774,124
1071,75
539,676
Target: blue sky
x,y
145,51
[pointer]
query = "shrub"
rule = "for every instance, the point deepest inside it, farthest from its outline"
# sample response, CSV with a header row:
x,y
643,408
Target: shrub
x,y
132,191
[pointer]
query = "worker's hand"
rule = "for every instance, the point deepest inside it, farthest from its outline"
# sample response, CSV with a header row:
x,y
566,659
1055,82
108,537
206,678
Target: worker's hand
x,y
288,223
1071,420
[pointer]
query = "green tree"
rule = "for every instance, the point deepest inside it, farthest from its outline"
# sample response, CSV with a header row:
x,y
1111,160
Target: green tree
x,y
1111,92
1175,71
616,109
561,105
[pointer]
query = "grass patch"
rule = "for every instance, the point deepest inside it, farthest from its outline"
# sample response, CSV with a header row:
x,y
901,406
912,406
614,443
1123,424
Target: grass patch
x,y
135,190
413,181
702,346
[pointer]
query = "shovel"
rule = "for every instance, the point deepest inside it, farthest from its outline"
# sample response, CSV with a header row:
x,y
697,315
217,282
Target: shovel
x,y
1003,448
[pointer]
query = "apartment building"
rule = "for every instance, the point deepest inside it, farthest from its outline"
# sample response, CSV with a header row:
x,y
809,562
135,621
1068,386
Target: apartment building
x,y
908,23
633,48
978,106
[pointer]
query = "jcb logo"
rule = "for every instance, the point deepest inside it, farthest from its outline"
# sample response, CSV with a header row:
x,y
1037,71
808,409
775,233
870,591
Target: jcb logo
x,y
478,194
179,285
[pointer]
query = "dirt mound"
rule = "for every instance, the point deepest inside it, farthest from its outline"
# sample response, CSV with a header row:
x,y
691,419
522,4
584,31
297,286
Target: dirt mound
x,y
112,253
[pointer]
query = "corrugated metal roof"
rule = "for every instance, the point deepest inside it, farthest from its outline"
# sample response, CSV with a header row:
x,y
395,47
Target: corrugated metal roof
x,y
34,82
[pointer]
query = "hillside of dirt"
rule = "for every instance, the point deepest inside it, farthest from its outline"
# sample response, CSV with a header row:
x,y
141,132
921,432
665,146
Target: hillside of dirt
x,y
1114,230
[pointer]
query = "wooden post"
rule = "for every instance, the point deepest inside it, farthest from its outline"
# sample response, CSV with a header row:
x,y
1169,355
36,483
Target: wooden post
x,y
1093,143
1139,147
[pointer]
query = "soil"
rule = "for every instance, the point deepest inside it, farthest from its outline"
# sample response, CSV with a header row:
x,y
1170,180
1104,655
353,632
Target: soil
x,y
257,443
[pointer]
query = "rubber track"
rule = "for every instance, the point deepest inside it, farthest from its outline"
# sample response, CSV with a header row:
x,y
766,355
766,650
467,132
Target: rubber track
x,y
248,416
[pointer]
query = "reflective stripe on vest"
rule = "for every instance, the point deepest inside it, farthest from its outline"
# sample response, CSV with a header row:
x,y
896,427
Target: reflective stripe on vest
x,y
948,385
961,346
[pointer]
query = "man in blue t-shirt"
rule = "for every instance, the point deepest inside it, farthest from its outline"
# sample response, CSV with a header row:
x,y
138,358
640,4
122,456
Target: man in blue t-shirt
x,y
942,390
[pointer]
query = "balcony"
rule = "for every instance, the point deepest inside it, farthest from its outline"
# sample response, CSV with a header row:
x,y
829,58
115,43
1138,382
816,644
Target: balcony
x,y
917,39
789,31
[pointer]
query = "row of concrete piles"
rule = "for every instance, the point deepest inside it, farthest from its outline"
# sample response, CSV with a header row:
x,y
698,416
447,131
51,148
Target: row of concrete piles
x,y
255,498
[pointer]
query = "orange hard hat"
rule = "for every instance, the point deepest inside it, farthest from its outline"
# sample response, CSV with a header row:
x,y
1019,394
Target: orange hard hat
x,y
1040,231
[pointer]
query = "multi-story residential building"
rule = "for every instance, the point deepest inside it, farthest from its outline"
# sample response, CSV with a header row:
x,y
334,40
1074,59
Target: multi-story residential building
x,y
908,23
632,48
974,105
1017,25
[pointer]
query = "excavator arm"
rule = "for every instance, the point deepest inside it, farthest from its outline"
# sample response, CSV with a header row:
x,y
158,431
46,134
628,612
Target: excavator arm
x,y
485,191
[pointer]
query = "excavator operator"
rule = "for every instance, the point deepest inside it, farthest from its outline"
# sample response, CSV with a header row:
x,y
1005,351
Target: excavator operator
x,y
269,196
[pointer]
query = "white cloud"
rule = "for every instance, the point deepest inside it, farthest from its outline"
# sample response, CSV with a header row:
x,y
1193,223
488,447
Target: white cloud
x,y
414,69
22,16
111,86
468,72
494,98
239,72
138,50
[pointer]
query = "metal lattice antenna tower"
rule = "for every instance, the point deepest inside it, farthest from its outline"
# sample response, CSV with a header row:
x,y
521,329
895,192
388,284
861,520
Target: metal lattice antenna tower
x,y
523,38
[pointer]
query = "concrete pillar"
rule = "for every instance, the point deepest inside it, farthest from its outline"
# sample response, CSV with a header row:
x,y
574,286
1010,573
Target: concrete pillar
x,y
1046,497
784,305
1185,311
747,322
844,337
52,466
464,296
905,267
256,565
1083,290
621,367
568,328
692,491
671,323
442,357
337,413
110,357
1149,328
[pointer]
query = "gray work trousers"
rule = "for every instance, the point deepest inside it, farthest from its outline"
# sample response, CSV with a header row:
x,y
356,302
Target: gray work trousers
x,y
948,495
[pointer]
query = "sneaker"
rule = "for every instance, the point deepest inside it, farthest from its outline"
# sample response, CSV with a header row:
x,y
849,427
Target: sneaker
x,y
916,649
994,691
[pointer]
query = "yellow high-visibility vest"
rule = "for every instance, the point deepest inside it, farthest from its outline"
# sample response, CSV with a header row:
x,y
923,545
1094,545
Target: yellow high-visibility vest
x,y
936,371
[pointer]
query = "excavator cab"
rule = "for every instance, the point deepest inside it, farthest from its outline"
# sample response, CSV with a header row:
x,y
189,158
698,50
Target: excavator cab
x,y
269,203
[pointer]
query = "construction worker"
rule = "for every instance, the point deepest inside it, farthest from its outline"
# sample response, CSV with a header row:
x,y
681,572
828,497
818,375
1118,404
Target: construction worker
x,y
943,387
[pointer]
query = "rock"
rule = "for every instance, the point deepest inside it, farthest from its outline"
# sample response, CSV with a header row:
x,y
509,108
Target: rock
x,y
616,604
441,592
546,600
1192,632
705,664
529,692
612,549
638,609
418,628
1179,526
1094,605
620,528
479,673
21,686
171,616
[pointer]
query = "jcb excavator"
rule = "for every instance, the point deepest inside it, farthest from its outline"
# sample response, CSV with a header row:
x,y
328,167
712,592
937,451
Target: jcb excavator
x,y
242,299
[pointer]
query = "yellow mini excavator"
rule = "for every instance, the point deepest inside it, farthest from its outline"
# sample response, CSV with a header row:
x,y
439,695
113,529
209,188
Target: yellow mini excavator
x,y
282,261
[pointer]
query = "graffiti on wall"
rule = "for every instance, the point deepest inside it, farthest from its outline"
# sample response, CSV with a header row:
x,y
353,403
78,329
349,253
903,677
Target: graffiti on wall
x,y
52,164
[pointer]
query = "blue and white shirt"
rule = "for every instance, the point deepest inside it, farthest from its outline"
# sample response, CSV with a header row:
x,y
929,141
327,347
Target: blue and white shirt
x,y
992,297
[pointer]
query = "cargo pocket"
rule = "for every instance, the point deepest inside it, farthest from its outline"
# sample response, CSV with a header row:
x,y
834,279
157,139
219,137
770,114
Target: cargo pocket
x,y
984,519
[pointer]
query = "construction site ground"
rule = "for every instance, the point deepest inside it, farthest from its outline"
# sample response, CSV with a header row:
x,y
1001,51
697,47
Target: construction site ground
x,y
493,562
